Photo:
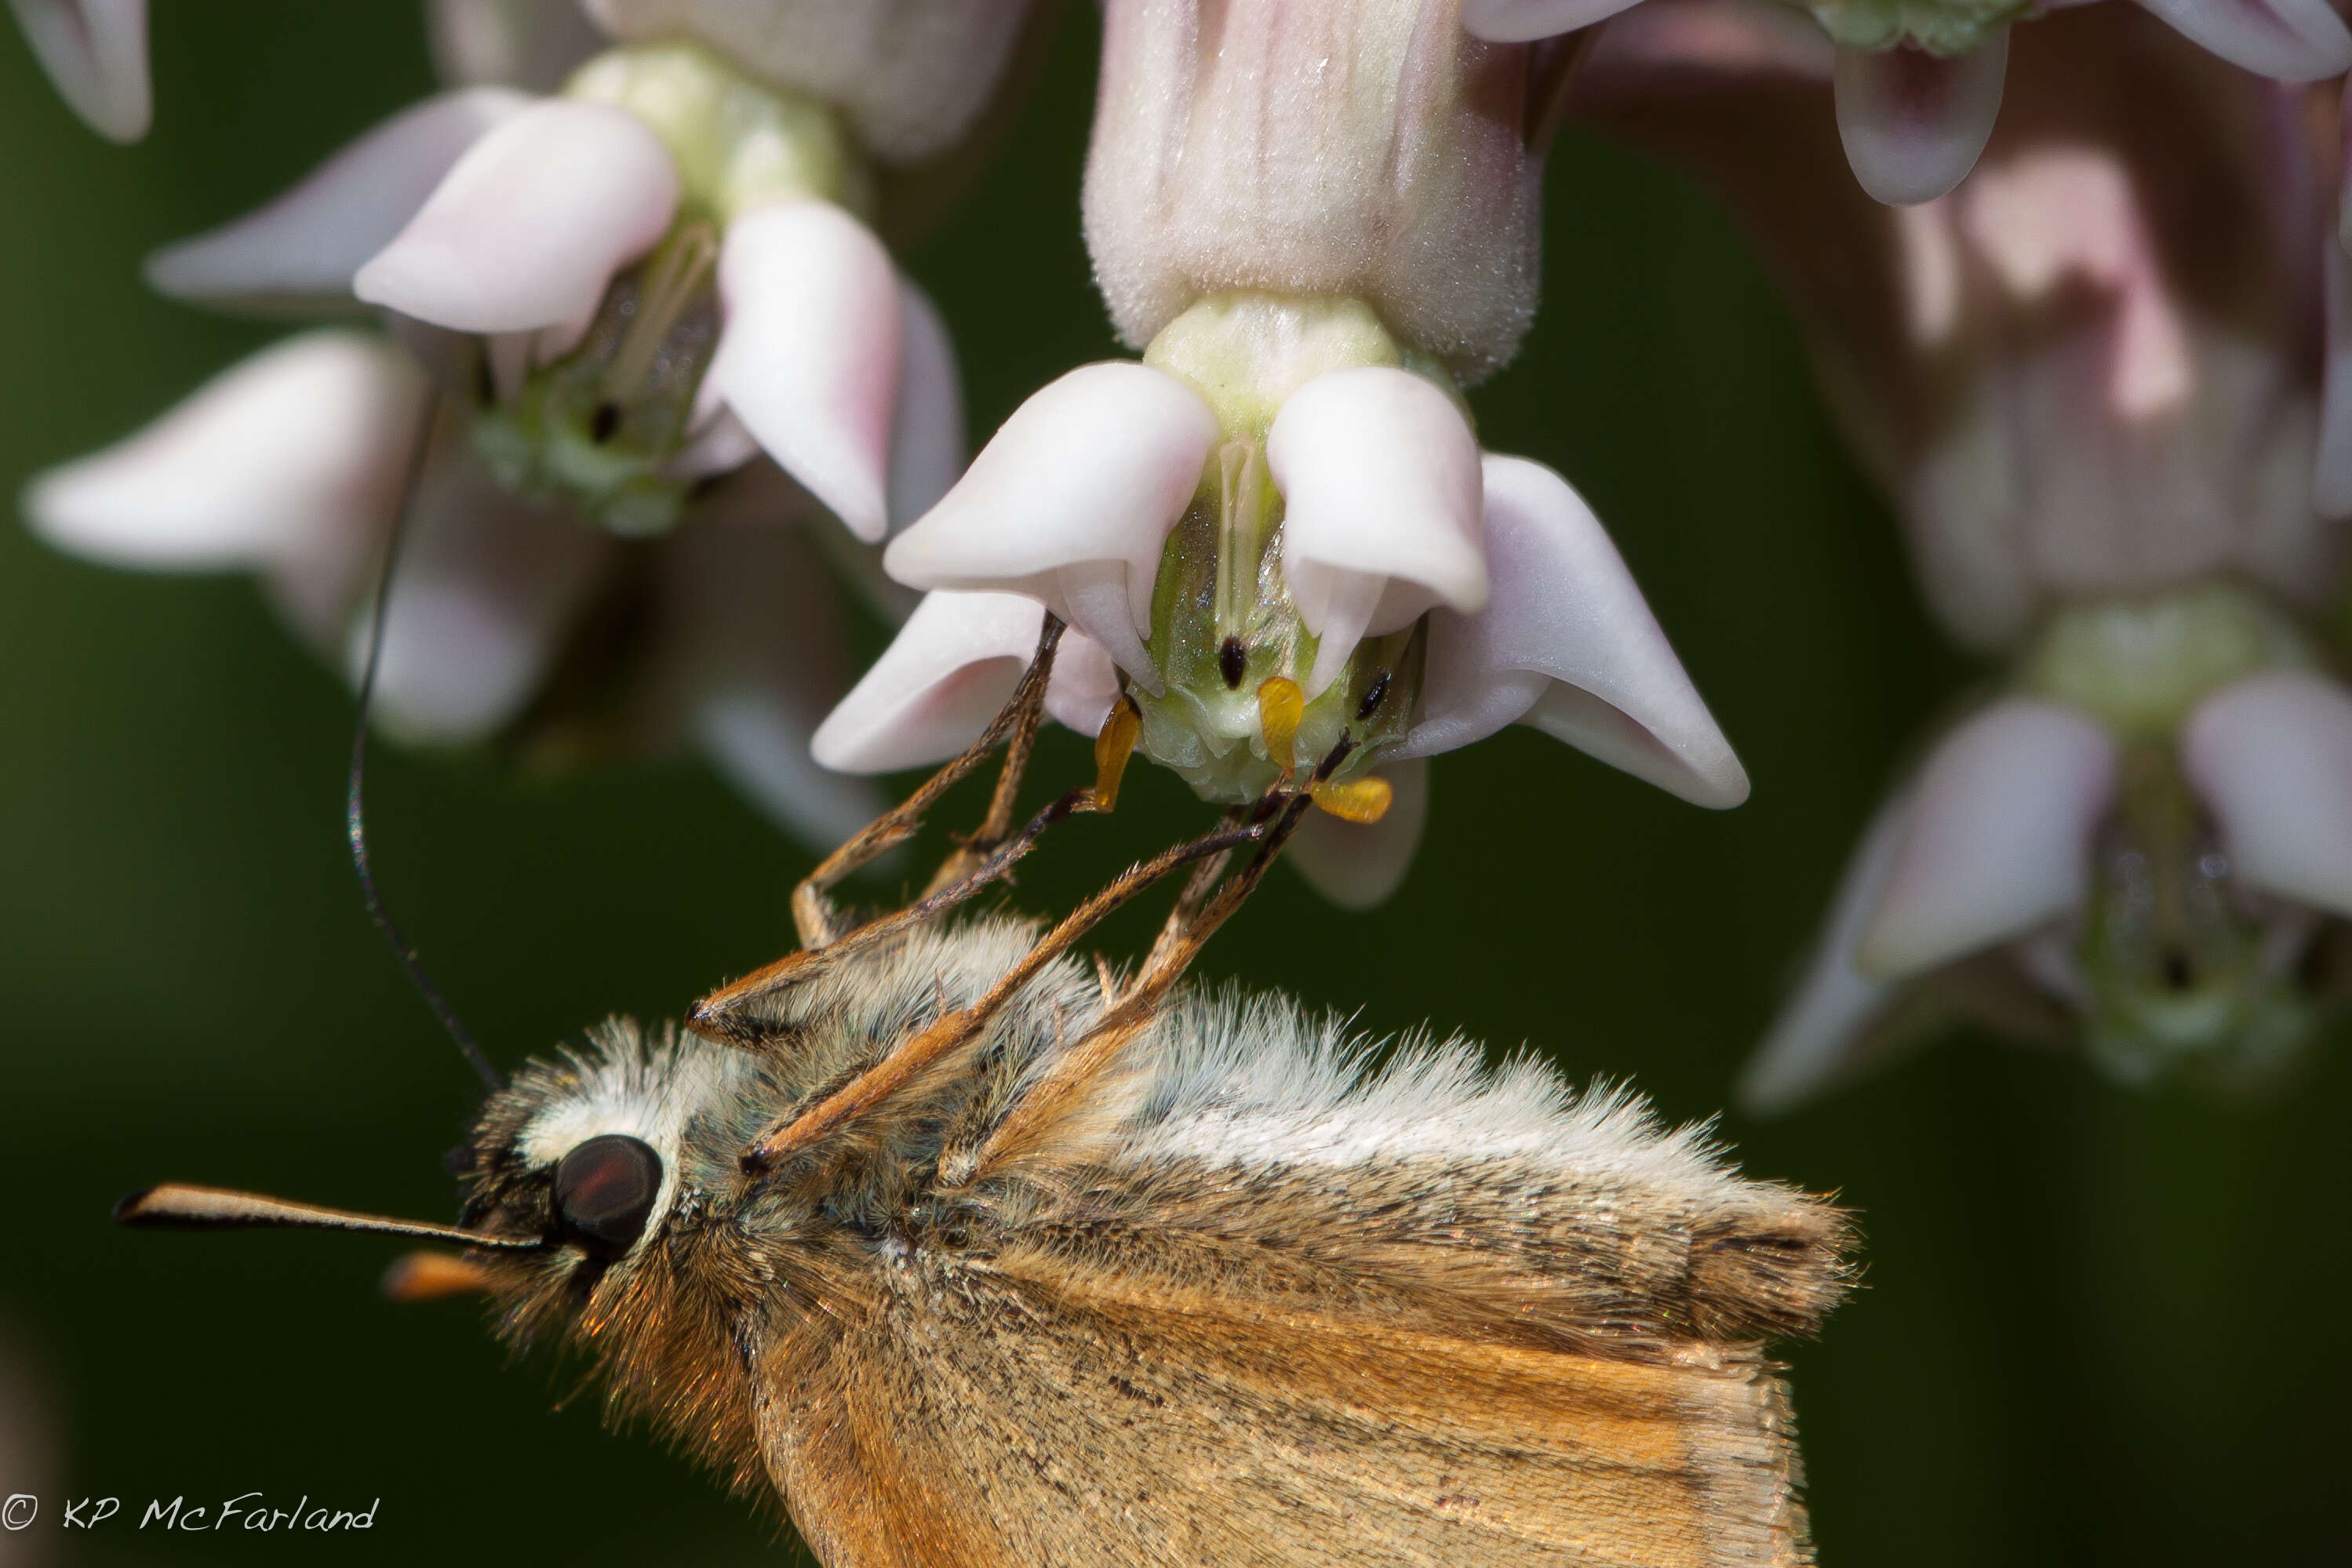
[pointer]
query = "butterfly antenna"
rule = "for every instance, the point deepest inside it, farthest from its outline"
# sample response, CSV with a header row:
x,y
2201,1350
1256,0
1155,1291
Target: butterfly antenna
x,y
354,808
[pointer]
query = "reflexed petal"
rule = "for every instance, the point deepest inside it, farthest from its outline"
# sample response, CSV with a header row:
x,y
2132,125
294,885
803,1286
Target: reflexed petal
x,y
487,585
754,656
302,443
528,44
809,360
1091,472
1084,682
529,226
302,250
1355,866
2344,169
1823,1023
719,446
2293,40
2271,757
927,431
1732,38
1380,479
1999,838
940,681
1703,770
1568,644
1518,21
96,53
1914,123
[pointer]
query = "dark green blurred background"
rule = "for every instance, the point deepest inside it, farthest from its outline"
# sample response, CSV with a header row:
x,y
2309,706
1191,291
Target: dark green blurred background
x,y
2097,1325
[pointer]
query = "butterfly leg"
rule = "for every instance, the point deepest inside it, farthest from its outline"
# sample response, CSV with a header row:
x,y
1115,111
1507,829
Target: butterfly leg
x,y
909,1059
819,923
1114,745
1025,710
826,937
1206,903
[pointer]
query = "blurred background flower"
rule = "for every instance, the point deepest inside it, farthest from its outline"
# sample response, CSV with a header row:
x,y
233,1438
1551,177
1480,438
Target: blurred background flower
x,y
2069,1351
1919,83
31,1452
2090,378
95,52
652,317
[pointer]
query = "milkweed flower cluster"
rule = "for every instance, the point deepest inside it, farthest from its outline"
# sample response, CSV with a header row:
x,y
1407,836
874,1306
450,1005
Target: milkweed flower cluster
x,y
660,326
630,305
1918,84
2091,380
1288,486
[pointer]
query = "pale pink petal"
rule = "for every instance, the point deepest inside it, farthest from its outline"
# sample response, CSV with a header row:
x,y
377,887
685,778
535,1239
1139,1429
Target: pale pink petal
x,y
1381,516
1568,644
1732,38
1914,124
96,53
2271,754
300,251
534,45
1518,21
1999,838
719,446
752,658
944,676
528,226
2292,40
1071,502
927,449
1823,1023
809,360
1356,865
487,583
1701,770
1085,684
2344,169
303,442
2331,486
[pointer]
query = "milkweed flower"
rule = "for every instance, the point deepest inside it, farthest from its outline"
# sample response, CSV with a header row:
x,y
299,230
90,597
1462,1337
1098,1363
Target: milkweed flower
x,y
1318,223
2089,378
95,51
660,329
512,619
1919,83
664,268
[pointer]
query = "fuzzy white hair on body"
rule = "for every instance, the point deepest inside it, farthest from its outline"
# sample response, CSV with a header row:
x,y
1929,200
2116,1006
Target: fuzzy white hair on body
x,y
647,1089
1252,1080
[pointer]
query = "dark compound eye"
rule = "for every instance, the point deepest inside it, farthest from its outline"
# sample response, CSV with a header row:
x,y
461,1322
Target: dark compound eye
x,y
604,1189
